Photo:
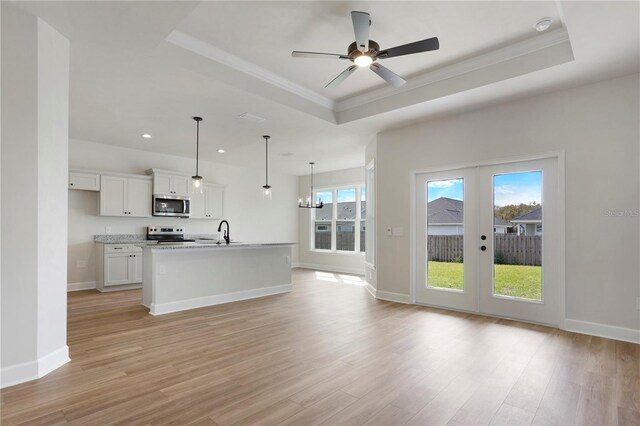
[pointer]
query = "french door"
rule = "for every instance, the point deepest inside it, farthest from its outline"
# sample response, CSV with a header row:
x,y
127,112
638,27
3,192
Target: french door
x,y
487,240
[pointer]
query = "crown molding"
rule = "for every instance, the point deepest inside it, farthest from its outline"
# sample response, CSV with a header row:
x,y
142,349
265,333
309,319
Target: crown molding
x,y
209,51
470,65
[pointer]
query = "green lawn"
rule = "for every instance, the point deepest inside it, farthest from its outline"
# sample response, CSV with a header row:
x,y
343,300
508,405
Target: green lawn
x,y
510,280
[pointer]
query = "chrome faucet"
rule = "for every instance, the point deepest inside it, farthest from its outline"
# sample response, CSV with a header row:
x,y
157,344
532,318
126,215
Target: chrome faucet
x,y
227,238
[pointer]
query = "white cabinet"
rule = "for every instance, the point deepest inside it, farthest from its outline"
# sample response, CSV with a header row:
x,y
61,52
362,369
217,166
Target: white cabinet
x,y
167,184
209,204
119,265
84,181
122,196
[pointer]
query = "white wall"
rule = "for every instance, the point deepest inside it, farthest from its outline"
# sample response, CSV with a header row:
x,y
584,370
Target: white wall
x,y
35,117
597,127
250,217
338,262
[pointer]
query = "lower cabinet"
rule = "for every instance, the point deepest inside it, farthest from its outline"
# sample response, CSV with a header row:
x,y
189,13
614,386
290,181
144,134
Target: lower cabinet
x,y
119,267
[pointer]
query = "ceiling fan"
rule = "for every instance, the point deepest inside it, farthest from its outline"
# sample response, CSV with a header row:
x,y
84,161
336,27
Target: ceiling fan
x,y
364,52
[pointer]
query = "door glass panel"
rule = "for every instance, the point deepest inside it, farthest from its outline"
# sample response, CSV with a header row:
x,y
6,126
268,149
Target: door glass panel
x,y
445,234
518,229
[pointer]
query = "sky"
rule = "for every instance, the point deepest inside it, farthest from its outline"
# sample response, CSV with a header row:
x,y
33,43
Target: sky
x,y
514,188
344,195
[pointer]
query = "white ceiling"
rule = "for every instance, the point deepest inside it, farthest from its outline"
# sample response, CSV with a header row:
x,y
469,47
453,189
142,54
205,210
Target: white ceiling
x,y
127,78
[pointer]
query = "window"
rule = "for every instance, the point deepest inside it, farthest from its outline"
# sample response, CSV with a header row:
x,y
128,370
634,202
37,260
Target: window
x,y
337,223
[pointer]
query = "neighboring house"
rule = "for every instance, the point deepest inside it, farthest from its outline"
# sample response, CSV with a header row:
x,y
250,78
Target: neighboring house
x,y
500,226
529,223
445,217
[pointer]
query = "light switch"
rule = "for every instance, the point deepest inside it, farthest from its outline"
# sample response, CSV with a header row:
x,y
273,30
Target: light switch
x,y
397,232
81,263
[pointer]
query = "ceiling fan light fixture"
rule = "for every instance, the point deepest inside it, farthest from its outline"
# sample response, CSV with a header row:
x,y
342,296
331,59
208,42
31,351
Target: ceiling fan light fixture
x,y
363,60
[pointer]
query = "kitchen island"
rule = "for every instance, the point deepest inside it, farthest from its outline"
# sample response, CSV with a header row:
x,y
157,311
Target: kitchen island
x,y
184,276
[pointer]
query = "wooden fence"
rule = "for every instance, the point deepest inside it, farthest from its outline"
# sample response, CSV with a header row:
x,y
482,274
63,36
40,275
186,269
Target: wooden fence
x,y
510,249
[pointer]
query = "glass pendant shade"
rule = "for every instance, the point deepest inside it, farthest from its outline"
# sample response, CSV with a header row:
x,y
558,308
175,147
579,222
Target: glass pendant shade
x,y
196,182
266,192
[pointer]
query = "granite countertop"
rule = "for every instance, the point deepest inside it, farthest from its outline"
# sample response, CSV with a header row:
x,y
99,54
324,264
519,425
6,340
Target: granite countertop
x,y
142,238
213,245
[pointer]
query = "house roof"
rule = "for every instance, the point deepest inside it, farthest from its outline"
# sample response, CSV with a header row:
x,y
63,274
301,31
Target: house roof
x,y
534,216
346,211
446,211
499,222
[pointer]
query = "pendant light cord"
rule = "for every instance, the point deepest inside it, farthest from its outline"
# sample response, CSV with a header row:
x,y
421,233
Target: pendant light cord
x,y
197,145
266,161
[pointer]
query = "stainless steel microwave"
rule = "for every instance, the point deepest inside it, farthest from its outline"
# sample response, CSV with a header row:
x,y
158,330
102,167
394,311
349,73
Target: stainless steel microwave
x,y
171,205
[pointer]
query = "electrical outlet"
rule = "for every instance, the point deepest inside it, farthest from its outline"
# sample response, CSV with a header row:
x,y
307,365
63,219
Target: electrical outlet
x,y
162,269
81,263
107,229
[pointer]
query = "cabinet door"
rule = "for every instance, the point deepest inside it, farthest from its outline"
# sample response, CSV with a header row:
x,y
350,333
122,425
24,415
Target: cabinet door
x,y
84,181
180,185
198,205
139,198
116,269
214,198
161,184
113,196
135,268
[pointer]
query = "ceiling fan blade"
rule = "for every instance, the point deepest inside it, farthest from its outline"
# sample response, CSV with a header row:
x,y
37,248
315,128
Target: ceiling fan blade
x,y
299,54
425,45
341,77
389,76
361,23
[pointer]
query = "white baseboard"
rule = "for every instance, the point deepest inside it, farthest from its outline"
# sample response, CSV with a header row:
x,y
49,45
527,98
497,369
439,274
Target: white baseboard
x,y
331,268
602,330
86,285
31,370
200,302
371,289
392,297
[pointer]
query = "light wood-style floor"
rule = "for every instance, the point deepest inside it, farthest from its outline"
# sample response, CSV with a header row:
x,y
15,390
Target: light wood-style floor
x,y
327,353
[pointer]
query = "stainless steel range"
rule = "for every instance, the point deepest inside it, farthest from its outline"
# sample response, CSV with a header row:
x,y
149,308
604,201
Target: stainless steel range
x,y
167,234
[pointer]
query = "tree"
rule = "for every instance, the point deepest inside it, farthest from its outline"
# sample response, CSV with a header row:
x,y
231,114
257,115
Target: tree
x,y
510,211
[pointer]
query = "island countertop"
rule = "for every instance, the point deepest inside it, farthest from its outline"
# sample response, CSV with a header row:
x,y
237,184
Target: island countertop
x,y
180,276
212,245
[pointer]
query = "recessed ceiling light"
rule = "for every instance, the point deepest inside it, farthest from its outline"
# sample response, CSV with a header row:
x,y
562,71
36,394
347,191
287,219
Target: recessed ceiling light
x,y
146,135
543,24
221,151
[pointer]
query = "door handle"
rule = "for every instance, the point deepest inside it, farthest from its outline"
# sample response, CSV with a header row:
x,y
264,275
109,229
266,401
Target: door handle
x,y
483,237
483,248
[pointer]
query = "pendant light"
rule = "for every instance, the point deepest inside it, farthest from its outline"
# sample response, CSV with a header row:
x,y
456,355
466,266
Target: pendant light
x,y
197,179
266,188
310,203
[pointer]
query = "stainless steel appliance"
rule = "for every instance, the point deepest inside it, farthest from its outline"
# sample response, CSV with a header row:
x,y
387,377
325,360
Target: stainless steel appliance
x,y
167,234
171,205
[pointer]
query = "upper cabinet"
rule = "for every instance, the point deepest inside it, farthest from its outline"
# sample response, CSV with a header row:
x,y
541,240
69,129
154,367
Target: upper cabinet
x,y
209,204
84,181
124,196
167,183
